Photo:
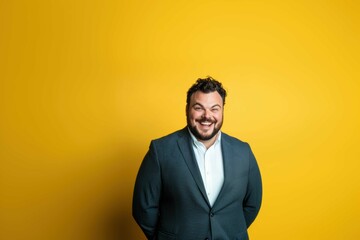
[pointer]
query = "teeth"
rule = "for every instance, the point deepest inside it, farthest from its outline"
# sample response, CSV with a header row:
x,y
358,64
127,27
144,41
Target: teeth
x,y
206,123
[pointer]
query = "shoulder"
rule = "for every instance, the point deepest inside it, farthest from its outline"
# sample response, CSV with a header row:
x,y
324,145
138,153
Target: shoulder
x,y
173,137
227,139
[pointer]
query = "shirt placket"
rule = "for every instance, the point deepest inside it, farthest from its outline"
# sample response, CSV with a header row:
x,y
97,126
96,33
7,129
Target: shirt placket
x,y
208,173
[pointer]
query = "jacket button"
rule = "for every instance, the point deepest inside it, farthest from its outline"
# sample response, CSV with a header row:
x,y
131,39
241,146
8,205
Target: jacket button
x,y
211,214
206,239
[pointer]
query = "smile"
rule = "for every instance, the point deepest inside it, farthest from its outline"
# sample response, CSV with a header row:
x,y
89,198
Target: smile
x,y
206,123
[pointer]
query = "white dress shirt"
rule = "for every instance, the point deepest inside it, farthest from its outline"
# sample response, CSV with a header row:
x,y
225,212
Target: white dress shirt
x,y
210,163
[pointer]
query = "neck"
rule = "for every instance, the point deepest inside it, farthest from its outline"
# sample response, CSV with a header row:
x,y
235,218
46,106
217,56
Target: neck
x,y
208,143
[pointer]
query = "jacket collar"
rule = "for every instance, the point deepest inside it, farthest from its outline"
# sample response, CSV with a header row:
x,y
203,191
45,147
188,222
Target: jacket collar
x,y
184,143
229,170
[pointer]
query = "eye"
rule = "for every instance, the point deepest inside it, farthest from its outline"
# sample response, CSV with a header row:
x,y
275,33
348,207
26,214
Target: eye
x,y
197,108
215,110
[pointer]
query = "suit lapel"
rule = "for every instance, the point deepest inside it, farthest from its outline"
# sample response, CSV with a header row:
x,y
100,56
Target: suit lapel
x,y
184,143
227,153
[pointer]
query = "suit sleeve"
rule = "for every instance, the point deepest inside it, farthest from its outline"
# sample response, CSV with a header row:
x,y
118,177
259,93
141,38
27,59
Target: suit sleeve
x,y
253,197
147,192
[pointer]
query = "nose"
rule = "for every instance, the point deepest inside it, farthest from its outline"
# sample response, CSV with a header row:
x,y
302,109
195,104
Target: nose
x,y
207,113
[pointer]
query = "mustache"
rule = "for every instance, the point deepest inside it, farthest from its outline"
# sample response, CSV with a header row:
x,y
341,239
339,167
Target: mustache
x,y
205,119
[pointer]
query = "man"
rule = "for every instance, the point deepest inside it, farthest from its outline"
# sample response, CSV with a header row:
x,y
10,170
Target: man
x,y
198,182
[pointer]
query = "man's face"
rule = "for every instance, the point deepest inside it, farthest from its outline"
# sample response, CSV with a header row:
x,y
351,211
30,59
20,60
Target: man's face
x,y
205,115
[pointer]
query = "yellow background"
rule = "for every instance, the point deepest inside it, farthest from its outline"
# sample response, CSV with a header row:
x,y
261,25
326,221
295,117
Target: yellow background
x,y
85,86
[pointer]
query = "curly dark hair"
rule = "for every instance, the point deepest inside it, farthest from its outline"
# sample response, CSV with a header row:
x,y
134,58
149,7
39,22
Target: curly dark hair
x,y
206,85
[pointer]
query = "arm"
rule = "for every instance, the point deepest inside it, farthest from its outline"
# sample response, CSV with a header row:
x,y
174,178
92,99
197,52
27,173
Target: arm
x,y
147,192
252,200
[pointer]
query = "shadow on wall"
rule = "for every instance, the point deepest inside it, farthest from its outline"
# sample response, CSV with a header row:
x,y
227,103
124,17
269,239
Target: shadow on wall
x,y
93,199
116,221
118,224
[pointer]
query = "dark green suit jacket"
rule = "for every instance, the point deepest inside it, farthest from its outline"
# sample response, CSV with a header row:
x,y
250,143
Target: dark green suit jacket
x,y
170,201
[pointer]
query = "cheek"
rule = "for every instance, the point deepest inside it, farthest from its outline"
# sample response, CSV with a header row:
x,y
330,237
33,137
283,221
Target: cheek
x,y
195,115
219,117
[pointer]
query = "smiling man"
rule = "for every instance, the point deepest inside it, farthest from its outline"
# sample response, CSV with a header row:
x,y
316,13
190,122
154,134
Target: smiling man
x,y
198,183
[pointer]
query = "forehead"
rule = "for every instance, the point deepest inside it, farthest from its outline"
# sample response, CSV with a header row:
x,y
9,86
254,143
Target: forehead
x,y
206,99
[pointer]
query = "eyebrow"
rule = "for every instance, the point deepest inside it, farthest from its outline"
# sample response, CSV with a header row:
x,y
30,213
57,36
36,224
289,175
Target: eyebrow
x,y
216,105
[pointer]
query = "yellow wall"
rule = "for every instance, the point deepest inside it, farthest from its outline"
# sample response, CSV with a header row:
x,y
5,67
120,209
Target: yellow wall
x,y
85,86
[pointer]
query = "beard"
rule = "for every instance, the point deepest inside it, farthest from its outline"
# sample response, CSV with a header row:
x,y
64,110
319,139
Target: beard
x,y
202,137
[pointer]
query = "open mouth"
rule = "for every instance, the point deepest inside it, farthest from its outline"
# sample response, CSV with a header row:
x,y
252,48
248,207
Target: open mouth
x,y
206,123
